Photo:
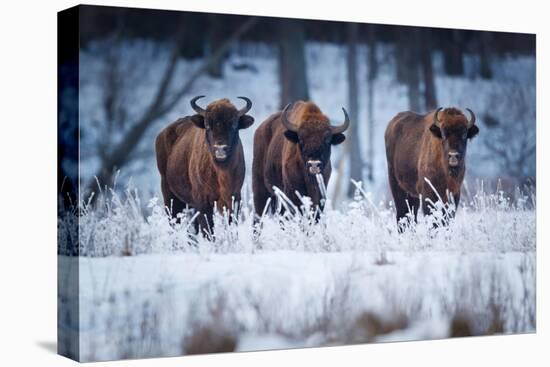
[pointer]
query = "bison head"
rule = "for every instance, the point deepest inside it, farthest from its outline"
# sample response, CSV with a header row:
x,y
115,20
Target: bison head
x,y
315,136
221,122
454,130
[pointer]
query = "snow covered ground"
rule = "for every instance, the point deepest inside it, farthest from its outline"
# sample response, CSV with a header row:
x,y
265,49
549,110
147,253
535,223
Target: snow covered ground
x,y
349,279
155,305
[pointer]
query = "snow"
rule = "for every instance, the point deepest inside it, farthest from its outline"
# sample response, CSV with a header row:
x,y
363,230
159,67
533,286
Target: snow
x,y
291,299
349,279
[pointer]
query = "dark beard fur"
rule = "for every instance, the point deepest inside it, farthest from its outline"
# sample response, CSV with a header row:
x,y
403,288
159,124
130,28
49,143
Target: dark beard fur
x,y
454,171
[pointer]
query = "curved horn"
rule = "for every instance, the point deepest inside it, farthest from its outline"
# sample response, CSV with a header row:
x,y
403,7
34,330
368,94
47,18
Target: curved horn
x,y
344,126
246,108
436,120
472,119
195,107
284,119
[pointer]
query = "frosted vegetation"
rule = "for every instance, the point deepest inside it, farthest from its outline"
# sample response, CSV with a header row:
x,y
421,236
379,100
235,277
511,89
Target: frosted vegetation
x,y
149,286
117,225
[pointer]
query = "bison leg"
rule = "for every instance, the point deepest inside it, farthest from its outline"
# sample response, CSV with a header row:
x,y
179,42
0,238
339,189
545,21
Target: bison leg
x,y
414,204
235,210
404,203
448,213
457,200
261,196
171,202
204,223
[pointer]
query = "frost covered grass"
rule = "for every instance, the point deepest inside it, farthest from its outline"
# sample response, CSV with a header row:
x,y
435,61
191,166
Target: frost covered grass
x,y
120,224
149,286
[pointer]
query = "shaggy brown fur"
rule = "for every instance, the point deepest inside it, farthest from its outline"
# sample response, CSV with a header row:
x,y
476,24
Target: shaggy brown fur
x,y
191,175
417,148
280,155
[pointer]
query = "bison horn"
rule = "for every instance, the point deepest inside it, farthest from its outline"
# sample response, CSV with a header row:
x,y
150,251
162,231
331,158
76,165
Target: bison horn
x,y
195,107
436,119
284,118
344,126
472,119
246,108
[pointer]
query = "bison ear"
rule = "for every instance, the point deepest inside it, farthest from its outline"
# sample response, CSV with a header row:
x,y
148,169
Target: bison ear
x,y
473,131
245,121
198,120
436,131
292,136
338,139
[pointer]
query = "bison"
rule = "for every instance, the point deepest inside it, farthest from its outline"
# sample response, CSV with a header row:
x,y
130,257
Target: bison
x,y
291,148
200,159
422,148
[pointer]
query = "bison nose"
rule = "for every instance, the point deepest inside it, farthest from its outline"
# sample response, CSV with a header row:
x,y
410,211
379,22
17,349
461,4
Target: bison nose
x,y
314,167
220,151
453,158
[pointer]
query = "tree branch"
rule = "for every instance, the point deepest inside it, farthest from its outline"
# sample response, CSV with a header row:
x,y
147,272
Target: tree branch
x,y
160,107
219,52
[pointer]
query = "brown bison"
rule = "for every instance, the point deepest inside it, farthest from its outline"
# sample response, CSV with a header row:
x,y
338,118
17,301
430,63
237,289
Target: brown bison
x,y
200,159
290,148
432,147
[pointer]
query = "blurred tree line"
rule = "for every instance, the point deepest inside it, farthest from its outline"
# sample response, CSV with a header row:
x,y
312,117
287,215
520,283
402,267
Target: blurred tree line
x,y
209,37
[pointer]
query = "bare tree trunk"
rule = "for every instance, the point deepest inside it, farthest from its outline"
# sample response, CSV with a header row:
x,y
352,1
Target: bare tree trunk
x,y
371,76
412,77
430,99
408,64
161,104
292,62
355,160
485,55
400,56
215,37
452,54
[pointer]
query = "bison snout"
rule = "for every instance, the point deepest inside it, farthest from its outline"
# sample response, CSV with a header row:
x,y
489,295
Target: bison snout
x,y
314,167
454,159
220,151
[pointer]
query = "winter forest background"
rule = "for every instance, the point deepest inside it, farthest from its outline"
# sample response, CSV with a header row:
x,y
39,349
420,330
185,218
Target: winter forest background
x,y
139,69
148,287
